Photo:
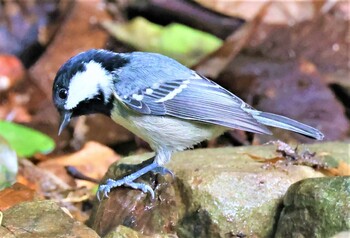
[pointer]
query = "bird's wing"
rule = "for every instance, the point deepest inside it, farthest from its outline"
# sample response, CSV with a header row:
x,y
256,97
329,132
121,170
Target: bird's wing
x,y
197,99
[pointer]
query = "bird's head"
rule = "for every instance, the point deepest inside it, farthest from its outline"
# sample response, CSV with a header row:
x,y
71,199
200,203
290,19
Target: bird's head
x,y
84,84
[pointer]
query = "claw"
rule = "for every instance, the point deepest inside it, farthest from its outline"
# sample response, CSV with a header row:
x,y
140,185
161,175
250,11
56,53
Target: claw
x,y
143,187
150,190
98,196
163,171
110,183
105,189
129,181
102,190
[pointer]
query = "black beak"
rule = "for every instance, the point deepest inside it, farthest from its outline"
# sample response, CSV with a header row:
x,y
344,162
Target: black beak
x,y
65,119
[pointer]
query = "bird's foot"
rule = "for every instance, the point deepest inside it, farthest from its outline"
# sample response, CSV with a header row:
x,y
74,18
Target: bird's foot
x,y
129,181
163,171
110,183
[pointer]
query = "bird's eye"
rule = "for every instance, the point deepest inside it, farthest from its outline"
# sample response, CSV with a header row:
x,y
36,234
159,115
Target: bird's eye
x,y
63,94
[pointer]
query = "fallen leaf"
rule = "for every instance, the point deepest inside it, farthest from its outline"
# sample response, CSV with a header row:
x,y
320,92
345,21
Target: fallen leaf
x,y
42,181
321,161
285,153
343,169
92,160
80,24
286,88
279,12
272,160
52,187
213,64
174,40
25,141
15,194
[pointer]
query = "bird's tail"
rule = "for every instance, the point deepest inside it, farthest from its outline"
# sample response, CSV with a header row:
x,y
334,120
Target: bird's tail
x,y
270,119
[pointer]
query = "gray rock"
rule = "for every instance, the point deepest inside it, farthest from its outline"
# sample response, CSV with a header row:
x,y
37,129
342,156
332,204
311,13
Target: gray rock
x,y
317,207
126,232
44,219
332,152
343,234
216,193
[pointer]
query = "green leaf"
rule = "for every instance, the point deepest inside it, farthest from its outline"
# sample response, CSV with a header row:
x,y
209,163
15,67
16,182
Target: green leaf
x,y
25,141
183,43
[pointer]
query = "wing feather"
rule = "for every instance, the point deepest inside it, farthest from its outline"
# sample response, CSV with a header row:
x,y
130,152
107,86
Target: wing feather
x,y
197,99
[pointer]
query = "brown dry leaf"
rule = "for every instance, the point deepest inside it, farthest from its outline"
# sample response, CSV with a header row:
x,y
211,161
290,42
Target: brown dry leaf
x,y
324,42
41,180
280,12
78,33
15,194
284,71
343,169
286,155
272,160
92,160
212,65
286,88
26,182
50,186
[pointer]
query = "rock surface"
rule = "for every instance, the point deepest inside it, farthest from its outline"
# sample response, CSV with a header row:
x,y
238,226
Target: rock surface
x,y
215,193
126,232
343,234
41,219
317,207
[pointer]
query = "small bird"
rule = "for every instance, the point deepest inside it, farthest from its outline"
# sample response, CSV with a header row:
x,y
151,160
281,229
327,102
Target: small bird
x,y
168,105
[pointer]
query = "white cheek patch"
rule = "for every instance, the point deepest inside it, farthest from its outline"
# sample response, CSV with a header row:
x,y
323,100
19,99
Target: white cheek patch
x,y
86,85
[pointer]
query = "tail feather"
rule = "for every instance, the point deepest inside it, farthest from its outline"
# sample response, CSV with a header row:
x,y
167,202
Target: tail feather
x,y
270,119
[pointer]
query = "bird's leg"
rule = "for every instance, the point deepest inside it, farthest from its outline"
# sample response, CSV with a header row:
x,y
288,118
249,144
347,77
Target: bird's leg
x,y
163,171
163,157
128,181
156,165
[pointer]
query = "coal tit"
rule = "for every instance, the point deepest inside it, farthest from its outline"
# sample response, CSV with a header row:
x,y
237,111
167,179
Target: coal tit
x,y
168,105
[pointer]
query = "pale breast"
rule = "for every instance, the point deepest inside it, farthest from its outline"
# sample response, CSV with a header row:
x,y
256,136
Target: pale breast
x,y
172,133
